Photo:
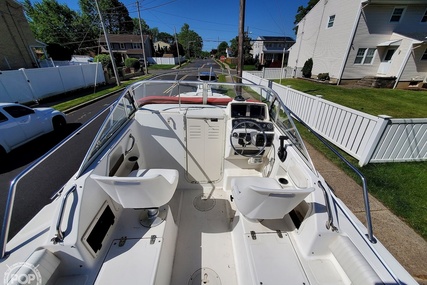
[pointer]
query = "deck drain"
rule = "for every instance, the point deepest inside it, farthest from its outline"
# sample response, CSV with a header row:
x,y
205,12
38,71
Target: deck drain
x,y
204,276
203,204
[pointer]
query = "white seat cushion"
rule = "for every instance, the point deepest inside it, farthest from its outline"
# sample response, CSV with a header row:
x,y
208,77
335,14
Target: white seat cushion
x,y
143,188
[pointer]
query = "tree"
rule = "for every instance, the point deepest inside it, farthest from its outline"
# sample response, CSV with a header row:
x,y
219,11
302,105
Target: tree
x,y
306,69
221,48
165,37
56,25
145,28
246,47
190,40
115,14
154,32
302,11
174,51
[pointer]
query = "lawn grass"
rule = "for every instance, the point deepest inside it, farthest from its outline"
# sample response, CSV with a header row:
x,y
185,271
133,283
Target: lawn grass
x,y
374,101
249,67
401,187
83,99
160,66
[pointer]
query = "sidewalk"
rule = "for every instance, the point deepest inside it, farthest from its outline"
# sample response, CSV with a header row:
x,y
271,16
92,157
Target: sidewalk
x,y
405,244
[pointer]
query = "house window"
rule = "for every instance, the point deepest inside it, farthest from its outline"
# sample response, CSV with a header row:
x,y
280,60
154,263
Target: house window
x,y
397,14
424,57
424,18
359,56
331,21
389,54
364,56
369,56
122,46
136,46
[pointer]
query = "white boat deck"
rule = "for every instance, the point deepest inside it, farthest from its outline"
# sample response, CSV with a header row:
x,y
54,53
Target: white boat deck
x,y
211,245
204,247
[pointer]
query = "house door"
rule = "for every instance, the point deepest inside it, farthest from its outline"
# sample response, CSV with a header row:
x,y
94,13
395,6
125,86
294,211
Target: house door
x,y
386,62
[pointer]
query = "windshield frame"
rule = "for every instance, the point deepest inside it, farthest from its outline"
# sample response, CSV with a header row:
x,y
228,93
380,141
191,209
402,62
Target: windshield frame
x,y
121,112
138,91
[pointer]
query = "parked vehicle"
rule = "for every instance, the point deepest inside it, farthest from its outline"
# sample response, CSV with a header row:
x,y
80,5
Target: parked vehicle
x,y
20,124
207,76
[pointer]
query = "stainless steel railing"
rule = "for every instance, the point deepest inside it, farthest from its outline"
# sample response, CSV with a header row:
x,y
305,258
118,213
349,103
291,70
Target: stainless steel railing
x,y
370,233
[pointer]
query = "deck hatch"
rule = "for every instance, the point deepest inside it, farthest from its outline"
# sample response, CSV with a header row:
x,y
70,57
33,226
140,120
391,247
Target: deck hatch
x,y
100,230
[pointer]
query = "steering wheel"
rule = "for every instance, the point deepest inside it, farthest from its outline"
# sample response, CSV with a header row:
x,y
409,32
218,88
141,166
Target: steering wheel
x,y
245,133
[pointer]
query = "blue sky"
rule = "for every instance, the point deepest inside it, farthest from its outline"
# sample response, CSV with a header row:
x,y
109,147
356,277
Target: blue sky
x,y
215,21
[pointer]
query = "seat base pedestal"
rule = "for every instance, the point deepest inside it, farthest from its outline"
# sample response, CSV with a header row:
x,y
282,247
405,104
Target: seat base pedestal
x,y
152,217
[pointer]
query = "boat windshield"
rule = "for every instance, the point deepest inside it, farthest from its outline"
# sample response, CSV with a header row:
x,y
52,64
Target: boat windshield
x,y
120,112
186,89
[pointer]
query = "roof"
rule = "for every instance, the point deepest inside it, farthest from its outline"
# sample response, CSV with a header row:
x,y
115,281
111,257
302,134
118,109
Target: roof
x,y
275,39
396,2
121,38
389,43
275,50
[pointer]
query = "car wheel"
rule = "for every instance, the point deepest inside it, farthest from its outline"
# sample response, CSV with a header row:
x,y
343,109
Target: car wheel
x,y
58,122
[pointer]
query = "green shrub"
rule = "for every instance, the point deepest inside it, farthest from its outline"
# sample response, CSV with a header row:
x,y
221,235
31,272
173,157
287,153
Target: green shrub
x,y
323,76
132,62
306,69
104,59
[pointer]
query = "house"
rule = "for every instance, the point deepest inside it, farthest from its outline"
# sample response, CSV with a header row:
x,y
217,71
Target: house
x,y
384,40
18,47
161,45
127,46
270,50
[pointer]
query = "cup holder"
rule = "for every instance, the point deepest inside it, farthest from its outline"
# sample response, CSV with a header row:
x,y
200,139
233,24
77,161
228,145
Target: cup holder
x,y
133,158
283,181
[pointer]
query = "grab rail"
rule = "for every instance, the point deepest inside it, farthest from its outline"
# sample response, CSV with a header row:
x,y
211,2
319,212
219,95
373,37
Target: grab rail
x,y
11,196
59,237
370,234
330,223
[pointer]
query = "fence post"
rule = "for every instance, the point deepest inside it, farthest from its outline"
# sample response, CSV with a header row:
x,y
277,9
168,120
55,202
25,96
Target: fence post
x,y
366,154
33,95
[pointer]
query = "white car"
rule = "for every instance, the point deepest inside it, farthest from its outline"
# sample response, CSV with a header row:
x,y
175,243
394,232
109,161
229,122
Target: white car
x,y
19,124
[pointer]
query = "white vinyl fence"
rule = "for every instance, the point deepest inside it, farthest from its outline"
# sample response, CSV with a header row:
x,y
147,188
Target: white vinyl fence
x,y
165,60
276,73
27,85
367,138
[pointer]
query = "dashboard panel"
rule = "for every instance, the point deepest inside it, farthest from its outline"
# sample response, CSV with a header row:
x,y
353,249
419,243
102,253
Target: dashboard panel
x,y
251,110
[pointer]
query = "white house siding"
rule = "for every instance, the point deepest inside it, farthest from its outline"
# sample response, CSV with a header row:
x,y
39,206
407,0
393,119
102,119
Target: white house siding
x,y
399,57
307,35
363,39
374,27
327,46
256,47
415,68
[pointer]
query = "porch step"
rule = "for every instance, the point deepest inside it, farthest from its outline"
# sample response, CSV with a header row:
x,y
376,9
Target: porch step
x,y
376,82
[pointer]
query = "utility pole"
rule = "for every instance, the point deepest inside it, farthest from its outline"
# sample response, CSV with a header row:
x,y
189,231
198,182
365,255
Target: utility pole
x,y
142,38
240,55
113,62
177,48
